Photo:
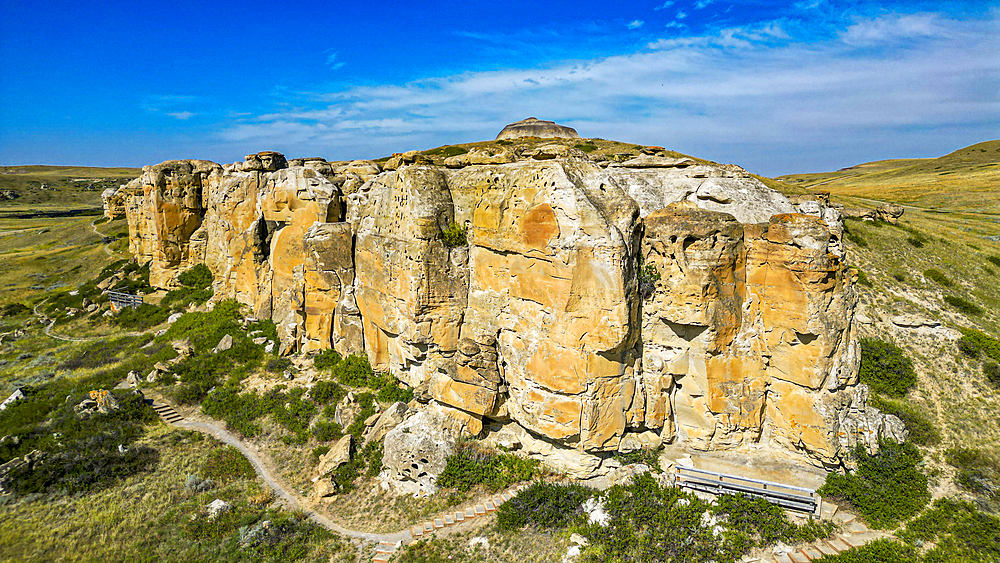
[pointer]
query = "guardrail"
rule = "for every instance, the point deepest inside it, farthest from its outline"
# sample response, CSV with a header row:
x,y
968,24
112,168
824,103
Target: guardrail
x,y
121,299
791,497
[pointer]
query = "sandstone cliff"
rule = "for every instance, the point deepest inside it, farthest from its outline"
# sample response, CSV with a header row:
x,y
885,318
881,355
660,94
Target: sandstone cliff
x,y
593,308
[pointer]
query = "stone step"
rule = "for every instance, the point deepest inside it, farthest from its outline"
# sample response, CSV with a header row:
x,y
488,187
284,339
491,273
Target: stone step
x,y
857,528
844,518
470,513
826,549
798,557
811,552
783,558
449,520
438,523
381,557
490,507
459,516
480,510
838,544
416,531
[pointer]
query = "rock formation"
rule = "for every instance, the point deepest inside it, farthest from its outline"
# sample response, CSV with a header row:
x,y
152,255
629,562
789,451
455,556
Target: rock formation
x,y
536,331
532,127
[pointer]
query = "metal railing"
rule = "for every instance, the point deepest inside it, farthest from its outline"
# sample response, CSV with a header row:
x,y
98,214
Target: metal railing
x,y
791,497
122,300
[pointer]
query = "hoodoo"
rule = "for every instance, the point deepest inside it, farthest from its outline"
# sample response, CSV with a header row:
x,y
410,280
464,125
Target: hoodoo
x,y
591,306
532,127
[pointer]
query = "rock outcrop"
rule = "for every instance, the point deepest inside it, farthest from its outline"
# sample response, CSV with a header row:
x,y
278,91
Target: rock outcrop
x,y
532,127
535,328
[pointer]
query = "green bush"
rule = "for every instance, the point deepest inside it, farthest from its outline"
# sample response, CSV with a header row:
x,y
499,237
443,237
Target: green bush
x,y
648,457
454,235
863,278
886,488
588,148
326,359
650,522
958,531
355,371
991,370
916,242
226,464
938,277
326,431
978,471
885,368
994,259
974,342
445,152
324,392
856,238
143,317
473,464
80,453
180,298
882,550
14,309
388,390
964,306
544,505
198,277
922,430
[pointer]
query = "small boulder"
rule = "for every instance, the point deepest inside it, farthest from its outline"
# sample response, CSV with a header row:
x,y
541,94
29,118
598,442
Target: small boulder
x,y
224,344
133,378
217,507
889,212
385,422
338,455
173,318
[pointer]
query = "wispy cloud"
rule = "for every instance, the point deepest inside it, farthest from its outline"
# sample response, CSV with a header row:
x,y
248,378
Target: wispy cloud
x,y
332,62
664,6
681,15
635,24
702,4
174,105
182,115
758,95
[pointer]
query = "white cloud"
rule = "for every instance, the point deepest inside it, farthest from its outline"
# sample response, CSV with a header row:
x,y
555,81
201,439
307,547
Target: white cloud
x,y
749,95
702,4
182,115
681,15
664,6
635,24
331,61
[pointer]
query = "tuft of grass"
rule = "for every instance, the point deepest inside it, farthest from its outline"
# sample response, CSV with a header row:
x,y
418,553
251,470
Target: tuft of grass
x,y
937,277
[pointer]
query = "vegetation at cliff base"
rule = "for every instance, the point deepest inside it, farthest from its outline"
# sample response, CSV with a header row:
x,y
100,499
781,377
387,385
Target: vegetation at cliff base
x,y
544,505
474,464
887,487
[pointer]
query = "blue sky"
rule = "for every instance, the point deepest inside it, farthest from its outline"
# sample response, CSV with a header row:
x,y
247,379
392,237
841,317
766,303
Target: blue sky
x,y
775,86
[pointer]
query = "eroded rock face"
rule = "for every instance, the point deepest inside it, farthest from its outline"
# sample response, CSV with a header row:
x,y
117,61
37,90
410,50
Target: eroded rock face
x,y
536,327
532,127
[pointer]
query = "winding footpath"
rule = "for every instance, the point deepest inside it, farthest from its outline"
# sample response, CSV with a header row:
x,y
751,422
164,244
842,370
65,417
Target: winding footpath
x,y
386,544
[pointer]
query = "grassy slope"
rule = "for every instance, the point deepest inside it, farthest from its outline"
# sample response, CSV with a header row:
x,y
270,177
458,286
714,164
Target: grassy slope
x,y
68,186
965,180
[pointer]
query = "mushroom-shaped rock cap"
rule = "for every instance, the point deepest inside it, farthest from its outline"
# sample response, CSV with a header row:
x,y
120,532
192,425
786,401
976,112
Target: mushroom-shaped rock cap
x,y
533,127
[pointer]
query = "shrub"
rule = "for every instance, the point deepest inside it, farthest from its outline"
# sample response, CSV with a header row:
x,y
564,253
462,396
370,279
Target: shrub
x,y
454,235
180,298
922,430
992,372
389,390
544,505
326,359
898,276
915,242
978,471
856,238
198,277
886,488
648,276
277,365
885,368
882,550
446,152
994,259
863,278
226,464
964,306
650,522
960,532
967,347
938,277
588,148
14,309
648,457
324,392
325,431
143,317
473,464
974,342
355,371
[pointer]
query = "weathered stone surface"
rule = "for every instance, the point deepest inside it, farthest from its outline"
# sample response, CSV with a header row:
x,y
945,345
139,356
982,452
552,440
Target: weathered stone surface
x,y
655,182
537,323
533,127
416,452
339,454
889,212
386,421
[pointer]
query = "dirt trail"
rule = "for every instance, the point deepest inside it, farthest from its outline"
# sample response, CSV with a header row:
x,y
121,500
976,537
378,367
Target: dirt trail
x,y
93,226
292,500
